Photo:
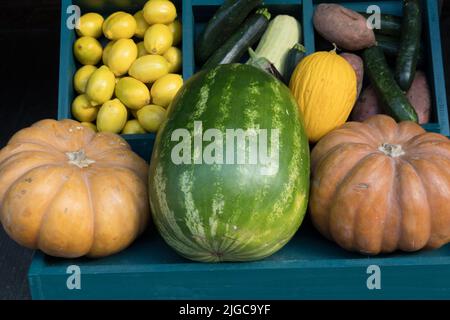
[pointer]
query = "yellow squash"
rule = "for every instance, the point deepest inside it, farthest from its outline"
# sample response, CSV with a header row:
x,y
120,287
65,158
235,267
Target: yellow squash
x,y
324,85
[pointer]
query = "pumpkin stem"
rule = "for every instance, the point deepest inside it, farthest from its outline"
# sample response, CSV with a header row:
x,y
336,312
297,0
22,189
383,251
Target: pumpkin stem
x,y
79,159
392,150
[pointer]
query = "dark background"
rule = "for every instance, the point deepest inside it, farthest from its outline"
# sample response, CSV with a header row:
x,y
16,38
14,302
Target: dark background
x,y
29,49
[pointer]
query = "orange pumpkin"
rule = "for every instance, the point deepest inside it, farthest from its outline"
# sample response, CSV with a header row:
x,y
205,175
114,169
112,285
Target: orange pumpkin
x,y
71,192
380,186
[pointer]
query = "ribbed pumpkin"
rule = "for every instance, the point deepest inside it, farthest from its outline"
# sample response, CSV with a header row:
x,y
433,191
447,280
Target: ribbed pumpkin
x,y
71,192
324,85
380,186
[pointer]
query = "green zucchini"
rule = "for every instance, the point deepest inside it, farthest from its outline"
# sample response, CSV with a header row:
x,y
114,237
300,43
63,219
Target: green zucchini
x,y
237,45
283,32
405,69
391,47
389,25
388,91
223,24
295,55
264,64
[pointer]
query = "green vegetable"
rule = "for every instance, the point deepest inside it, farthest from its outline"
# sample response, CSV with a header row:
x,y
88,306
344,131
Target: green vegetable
x,y
246,36
388,91
294,57
223,24
263,64
209,210
390,25
408,56
391,47
282,34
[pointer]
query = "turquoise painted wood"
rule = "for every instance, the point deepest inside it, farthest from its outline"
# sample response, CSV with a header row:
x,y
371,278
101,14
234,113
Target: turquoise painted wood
x,y
309,267
431,40
141,144
197,13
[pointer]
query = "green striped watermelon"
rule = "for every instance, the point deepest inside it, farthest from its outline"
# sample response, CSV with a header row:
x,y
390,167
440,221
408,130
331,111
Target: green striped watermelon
x,y
229,176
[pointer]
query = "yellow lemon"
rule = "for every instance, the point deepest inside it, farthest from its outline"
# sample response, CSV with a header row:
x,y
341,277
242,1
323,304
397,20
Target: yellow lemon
x,y
81,78
82,110
149,68
151,117
141,24
165,88
89,125
175,58
106,52
90,25
158,39
100,86
119,25
159,11
133,127
112,116
141,49
87,50
176,29
122,54
132,93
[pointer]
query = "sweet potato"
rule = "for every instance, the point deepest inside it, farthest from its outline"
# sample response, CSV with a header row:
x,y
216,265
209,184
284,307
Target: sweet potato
x,y
366,106
358,65
344,27
418,95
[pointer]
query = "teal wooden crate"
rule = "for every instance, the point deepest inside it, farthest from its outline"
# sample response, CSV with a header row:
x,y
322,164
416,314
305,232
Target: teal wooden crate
x,y
142,144
196,13
309,267
431,40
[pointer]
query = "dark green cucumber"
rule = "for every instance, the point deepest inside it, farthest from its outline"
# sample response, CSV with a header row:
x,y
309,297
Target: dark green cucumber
x,y
223,24
388,91
405,69
389,25
246,36
294,56
391,47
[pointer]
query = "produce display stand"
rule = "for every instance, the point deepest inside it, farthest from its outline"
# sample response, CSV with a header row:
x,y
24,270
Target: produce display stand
x,y
308,267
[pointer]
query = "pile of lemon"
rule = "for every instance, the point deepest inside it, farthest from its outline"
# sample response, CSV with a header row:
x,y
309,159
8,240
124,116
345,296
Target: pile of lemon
x,y
127,86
